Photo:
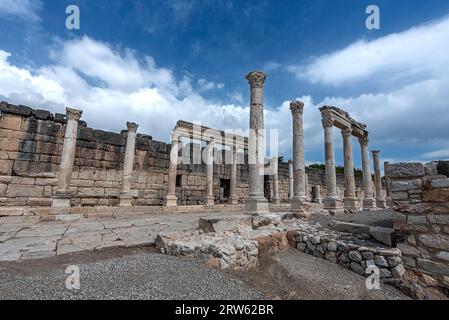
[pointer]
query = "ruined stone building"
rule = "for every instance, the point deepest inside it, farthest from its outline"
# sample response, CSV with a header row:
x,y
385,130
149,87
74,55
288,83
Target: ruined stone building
x,y
31,143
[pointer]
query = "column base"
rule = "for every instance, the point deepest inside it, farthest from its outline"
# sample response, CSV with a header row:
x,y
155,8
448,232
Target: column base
x,y
276,201
381,203
256,206
61,199
332,203
369,204
352,203
233,200
210,201
171,200
300,207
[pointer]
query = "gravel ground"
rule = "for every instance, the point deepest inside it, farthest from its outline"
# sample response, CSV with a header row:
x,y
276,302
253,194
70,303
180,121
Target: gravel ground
x,y
382,218
136,275
293,275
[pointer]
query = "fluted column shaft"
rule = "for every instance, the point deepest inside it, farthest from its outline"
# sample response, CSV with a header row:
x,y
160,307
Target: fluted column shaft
x,y
130,149
171,199
62,196
233,183
368,201
256,203
380,199
331,200
299,170
290,179
210,173
275,163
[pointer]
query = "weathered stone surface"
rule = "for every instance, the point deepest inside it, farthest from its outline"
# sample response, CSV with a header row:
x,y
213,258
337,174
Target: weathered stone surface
x,y
436,195
380,261
440,183
394,261
402,186
436,241
355,256
432,267
404,170
408,250
443,255
222,224
438,219
357,268
383,235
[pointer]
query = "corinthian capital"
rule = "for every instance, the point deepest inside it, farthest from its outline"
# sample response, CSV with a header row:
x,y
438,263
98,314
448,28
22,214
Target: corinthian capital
x,y
296,106
73,114
375,152
346,132
364,141
256,79
132,127
327,121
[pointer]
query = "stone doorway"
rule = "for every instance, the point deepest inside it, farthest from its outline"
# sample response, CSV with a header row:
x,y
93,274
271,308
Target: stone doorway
x,y
267,187
225,189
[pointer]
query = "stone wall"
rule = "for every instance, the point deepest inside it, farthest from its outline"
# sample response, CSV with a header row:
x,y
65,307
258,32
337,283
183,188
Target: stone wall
x,y
420,195
31,143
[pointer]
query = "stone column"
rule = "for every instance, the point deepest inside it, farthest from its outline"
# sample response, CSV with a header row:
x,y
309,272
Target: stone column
x,y
276,198
171,199
61,197
306,188
299,170
233,183
290,179
125,194
256,203
380,199
210,200
350,201
331,201
368,201
318,198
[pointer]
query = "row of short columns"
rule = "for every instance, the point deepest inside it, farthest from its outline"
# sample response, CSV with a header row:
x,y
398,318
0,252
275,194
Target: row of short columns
x,y
171,198
63,194
350,201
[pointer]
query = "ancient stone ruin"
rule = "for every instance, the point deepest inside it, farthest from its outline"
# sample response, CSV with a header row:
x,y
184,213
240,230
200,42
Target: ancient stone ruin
x,y
55,168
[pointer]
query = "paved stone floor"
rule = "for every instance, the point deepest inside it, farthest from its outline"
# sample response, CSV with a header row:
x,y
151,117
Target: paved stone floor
x,y
23,238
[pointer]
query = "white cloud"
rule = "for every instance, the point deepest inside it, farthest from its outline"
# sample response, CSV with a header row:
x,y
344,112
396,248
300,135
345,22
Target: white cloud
x,y
204,85
437,154
23,9
419,51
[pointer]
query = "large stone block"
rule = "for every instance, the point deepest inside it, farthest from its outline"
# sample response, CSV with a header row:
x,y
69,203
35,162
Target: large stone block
x,y
432,266
437,241
439,219
9,144
10,121
6,167
440,183
436,195
395,186
404,170
13,109
24,191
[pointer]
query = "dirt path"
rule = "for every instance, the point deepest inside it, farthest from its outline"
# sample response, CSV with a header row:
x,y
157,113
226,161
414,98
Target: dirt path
x,y
296,275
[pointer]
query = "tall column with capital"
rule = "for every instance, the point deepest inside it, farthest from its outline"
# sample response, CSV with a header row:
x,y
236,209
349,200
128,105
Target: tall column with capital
x,y
331,201
61,197
125,194
368,201
290,179
350,201
275,162
233,183
299,170
380,199
210,200
256,203
171,199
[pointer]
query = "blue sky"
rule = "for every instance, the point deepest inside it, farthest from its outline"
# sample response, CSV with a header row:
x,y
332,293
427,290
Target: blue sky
x,y
155,62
